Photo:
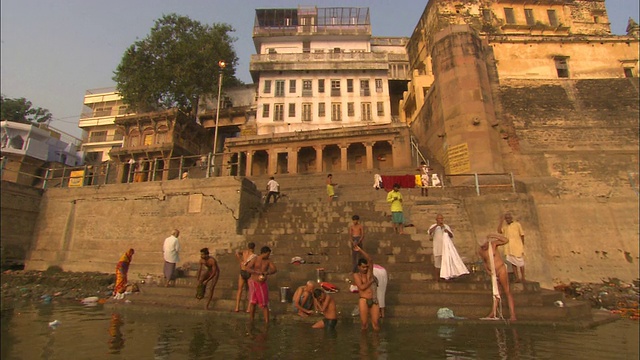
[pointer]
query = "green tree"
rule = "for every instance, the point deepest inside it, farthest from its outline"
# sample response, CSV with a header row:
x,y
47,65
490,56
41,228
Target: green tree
x,y
21,110
175,65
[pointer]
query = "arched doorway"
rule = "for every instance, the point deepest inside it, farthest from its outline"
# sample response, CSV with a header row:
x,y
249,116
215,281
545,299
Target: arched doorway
x,y
331,158
382,155
306,160
260,163
356,157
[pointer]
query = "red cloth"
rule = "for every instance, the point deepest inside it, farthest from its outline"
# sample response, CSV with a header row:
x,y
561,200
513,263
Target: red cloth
x,y
405,181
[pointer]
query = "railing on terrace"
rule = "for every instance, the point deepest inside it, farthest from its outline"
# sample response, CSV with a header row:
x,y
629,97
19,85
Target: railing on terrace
x,y
323,56
190,167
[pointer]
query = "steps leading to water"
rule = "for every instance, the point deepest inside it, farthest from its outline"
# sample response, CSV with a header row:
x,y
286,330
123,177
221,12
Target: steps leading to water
x,y
304,223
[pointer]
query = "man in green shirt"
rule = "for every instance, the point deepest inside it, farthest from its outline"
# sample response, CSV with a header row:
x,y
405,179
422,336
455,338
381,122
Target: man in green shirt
x,y
394,197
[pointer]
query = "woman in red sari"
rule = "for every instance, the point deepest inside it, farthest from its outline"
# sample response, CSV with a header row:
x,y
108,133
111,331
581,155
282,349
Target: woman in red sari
x,y
122,268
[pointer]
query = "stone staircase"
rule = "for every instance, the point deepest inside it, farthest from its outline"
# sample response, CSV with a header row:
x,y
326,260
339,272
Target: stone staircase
x,y
304,223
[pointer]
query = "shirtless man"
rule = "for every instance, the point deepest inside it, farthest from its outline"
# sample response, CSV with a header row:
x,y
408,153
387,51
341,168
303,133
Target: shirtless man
x,y
211,275
365,281
496,240
259,268
303,299
356,236
244,257
326,306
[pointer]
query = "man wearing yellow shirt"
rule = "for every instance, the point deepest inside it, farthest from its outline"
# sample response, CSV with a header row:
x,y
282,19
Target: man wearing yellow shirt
x,y
395,199
514,249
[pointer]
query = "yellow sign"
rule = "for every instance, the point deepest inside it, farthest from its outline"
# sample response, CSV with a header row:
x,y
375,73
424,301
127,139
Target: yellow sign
x,y
247,131
76,178
458,159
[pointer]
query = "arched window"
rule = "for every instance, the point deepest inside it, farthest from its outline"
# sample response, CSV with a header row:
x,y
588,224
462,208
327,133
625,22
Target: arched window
x,y
163,135
134,138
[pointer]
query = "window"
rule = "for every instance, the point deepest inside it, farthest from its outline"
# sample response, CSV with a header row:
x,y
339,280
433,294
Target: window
x,y
306,45
321,109
336,112
509,16
364,88
98,136
265,110
162,137
278,112
366,111
292,86
561,66
378,85
292,110
267,87
380,108
306,88
596,19
102,111
122,110
118,135
280,88
349,85
486,15
335,87
350,109
528,14
272,51
306,112
321,85
553,19
628,72
134,139
148,139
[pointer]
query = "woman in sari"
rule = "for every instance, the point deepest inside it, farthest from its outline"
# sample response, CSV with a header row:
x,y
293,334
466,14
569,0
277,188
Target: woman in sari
x,y
122,268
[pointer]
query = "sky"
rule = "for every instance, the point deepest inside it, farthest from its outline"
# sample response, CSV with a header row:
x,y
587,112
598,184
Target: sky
x,y
52,51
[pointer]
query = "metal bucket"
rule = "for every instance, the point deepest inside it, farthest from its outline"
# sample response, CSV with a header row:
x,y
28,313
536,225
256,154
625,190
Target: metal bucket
x,y
285,294
320,275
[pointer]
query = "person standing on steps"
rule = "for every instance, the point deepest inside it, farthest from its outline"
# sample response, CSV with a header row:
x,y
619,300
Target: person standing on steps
x,y
514,250
394,197
356,237
437,231
210,276
331,187
366,283
273,189
244,257
260,268
171,254
500,269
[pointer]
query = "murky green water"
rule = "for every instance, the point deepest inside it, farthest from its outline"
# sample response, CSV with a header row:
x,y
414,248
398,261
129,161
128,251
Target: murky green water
x,y
97,333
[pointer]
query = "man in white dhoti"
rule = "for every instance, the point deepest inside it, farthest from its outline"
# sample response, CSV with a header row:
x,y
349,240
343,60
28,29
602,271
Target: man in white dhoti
x,y
447,263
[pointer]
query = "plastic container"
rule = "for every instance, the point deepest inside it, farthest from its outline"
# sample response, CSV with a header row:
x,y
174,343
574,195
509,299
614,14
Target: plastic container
x,y
320,274
285,294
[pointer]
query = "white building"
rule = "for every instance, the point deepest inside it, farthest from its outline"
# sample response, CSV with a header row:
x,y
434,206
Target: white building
x,y
101,107
316,69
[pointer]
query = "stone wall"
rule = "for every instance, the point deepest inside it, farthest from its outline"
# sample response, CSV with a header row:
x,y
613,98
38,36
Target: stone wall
x,y
574,143
19,206
87,229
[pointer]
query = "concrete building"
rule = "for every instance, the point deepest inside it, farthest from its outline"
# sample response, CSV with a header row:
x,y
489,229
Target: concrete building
x,y
27,150
101,108
319,70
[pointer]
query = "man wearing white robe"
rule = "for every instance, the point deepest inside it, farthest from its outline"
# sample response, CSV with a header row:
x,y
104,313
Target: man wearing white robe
x,y
447,263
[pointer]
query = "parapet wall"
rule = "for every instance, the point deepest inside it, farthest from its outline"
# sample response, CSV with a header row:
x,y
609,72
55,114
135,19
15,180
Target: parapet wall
x,y
87,229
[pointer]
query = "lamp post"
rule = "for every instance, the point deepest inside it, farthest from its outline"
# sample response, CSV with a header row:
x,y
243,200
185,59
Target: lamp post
x,y
222,65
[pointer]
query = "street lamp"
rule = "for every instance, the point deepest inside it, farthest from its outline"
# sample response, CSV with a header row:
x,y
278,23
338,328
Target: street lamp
x,y
221,65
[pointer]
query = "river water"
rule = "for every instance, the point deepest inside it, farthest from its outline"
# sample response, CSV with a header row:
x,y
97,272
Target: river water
x,y
99,333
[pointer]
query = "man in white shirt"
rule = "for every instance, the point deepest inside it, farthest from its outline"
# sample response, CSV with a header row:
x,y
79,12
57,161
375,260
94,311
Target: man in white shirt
x,y
274,190
171,253
437,231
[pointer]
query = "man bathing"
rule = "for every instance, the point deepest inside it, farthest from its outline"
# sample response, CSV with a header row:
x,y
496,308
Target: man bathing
x,y
495,240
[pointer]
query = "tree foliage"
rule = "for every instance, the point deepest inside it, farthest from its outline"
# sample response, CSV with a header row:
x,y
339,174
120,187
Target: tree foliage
x,y
175,64
21,110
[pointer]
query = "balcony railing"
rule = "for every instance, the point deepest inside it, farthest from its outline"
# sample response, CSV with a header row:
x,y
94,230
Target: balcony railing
x,y
324,56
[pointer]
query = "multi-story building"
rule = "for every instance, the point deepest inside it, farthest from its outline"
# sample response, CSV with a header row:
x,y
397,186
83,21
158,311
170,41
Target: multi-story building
x,y
28,150
463,53
319,70
97,120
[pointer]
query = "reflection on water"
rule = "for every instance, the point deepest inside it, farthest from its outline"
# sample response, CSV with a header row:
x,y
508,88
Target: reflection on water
x,y
95,333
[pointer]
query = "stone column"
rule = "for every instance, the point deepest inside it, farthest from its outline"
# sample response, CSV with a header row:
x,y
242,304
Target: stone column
x,y
369,160
249,163
318,158
272,164
292,160
343,157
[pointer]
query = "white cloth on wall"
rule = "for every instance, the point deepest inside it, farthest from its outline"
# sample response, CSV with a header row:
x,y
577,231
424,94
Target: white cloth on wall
x,y
452,264
435,180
